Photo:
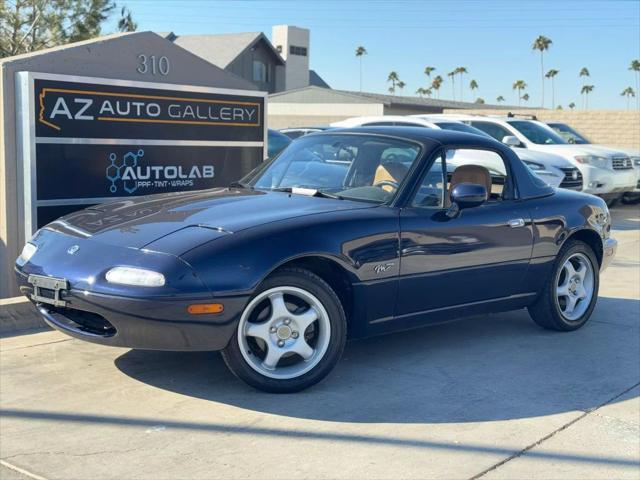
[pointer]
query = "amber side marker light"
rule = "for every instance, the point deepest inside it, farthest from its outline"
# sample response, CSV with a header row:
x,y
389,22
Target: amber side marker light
x,y
205,308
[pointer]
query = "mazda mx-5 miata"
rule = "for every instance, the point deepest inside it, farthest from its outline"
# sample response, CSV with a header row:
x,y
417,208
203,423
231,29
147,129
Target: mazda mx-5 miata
x,y
347,233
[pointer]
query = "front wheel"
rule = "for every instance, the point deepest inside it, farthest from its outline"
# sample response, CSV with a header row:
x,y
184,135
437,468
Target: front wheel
x,y
290,335
570,294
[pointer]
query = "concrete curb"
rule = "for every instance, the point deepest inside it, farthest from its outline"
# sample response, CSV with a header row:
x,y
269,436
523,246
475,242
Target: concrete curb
x,y
19,315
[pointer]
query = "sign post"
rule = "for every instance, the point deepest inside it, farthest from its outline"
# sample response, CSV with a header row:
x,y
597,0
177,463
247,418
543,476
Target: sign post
x,y
84,140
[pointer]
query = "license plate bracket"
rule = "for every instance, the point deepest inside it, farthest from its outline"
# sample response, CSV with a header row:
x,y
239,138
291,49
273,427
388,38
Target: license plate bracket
x,y
57,285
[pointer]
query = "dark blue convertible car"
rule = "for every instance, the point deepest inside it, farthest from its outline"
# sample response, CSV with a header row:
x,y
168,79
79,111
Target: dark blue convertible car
x,y
347,233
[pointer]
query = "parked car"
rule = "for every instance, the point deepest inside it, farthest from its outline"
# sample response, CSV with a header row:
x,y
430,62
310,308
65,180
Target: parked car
x,y
553,169
276,142
606,173
345,234
571,135
296,132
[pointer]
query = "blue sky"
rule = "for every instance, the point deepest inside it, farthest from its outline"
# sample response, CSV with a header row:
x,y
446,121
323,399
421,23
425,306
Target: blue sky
x,y
492,39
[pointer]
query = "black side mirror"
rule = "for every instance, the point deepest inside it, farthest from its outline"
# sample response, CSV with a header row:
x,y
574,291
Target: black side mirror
x,y
466,195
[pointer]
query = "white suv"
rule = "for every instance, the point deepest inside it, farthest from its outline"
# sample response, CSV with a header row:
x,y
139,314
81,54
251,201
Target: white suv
x,y
607,173
571,135
553,169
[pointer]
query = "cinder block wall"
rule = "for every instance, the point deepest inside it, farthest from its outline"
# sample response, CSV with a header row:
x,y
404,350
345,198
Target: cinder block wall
x,y
617,128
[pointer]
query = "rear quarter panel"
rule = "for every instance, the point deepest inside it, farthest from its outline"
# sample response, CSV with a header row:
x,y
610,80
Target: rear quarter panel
x,y
555,219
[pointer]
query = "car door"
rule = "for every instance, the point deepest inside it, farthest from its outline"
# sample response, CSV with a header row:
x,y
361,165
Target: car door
x,y
479,256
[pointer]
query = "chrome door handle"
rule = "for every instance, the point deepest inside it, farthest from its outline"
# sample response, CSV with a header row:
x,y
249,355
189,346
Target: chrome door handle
x,y
516,222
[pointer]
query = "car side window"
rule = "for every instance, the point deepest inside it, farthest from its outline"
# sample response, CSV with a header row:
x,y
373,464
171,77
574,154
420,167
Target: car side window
x,y
484,167
496,131
431,192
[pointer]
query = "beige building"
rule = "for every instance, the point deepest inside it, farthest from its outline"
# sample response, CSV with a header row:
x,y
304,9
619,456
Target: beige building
x,y
316,106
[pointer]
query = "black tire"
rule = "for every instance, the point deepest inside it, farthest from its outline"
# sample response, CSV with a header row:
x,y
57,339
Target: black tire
x,y
613,201
306,280
631,198
545,311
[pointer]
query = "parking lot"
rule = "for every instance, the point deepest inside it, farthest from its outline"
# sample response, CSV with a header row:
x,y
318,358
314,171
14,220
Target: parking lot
x,y
488,396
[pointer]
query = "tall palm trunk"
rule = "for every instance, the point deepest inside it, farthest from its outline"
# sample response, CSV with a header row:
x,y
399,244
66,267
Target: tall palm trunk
x,y
542,76
553,92
360,73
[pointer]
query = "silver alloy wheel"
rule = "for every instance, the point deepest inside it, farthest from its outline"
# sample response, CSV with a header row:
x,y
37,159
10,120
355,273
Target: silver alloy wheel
x,y
574,286
285,334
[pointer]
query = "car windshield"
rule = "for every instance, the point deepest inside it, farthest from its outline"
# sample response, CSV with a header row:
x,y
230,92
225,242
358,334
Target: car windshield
x,y
536,133
461,127
359,167
569,134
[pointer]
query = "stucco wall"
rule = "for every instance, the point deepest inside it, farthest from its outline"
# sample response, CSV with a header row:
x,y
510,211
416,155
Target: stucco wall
x,y
283,115
617,128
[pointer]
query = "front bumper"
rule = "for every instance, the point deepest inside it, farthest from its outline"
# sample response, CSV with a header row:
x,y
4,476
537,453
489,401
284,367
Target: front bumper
x,y
142,323
608,252
601,181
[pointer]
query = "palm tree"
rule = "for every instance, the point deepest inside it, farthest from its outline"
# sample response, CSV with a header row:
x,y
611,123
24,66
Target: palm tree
x,y
628,92
361,52
572,105
461,71
428,71
421,91
635,67
551,75
586,90
452,74
473,85
480,101
500,99
401,84
519,85
436,84
394,79
584,72
541,43
525,97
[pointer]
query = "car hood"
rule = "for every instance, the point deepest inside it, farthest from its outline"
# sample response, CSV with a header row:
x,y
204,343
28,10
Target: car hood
x,y
544,158
137,222
569,151
613,151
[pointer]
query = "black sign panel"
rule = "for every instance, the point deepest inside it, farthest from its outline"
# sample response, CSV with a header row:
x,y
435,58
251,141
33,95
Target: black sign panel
x,y
98,171
83,110
97,139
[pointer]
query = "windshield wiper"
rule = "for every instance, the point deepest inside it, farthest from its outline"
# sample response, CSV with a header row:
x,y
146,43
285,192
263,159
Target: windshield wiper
x,y
309,192
240,185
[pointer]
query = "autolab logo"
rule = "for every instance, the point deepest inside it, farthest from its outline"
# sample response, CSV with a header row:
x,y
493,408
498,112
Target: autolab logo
x,y
128,174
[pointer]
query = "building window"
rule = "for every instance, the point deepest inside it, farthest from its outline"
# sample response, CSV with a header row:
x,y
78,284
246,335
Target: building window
x,y
279,48
260,71
302,51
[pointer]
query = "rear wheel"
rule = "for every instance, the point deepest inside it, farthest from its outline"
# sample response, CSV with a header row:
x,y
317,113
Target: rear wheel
x,y
290,335
569,296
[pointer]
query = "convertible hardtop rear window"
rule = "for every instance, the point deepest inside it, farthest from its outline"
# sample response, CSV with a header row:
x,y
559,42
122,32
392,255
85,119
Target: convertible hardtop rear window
x,y
358,167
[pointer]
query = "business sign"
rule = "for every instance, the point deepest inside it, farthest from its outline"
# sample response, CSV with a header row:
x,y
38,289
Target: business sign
x,y
88,140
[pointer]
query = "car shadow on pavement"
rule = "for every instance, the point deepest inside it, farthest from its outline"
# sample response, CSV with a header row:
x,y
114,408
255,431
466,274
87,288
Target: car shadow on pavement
x,y
483,368
625,217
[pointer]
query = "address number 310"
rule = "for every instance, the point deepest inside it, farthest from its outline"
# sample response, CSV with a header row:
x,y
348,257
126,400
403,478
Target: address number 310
x,y
153,65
